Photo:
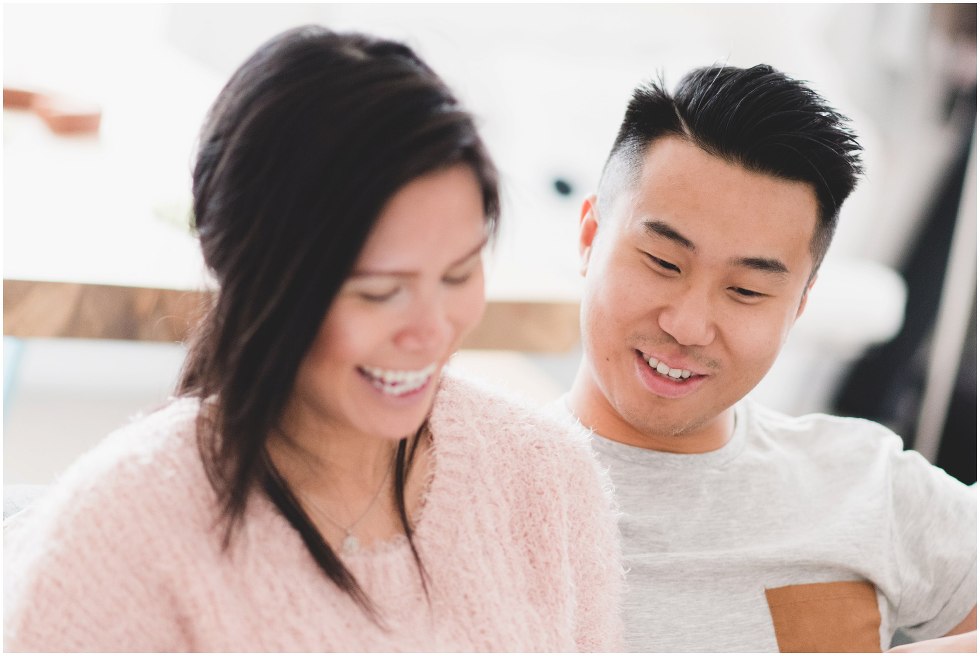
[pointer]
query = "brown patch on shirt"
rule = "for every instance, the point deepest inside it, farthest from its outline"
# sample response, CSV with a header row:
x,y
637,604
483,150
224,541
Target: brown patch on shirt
x,y
827,617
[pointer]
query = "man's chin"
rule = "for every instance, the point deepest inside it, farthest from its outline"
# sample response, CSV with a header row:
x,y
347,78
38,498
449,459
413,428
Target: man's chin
x,y
676,432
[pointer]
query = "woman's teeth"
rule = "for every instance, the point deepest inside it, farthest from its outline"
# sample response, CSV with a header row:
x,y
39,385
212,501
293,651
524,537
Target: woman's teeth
x,y
398,383
664,369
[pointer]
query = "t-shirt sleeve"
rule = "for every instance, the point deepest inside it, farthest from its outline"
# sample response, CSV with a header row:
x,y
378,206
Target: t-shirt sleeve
x,y
81,575
935,540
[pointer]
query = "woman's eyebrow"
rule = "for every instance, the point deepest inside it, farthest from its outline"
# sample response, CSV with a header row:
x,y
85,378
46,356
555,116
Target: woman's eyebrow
x,y
362,273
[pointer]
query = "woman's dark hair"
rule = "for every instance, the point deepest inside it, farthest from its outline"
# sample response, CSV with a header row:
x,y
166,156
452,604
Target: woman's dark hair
x,y
303,147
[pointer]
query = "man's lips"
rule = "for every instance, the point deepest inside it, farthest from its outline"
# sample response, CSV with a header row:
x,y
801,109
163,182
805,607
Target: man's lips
x,y
674,367
676,383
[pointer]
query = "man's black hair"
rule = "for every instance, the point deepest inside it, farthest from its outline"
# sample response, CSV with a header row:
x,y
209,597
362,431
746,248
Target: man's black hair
x,y
757,118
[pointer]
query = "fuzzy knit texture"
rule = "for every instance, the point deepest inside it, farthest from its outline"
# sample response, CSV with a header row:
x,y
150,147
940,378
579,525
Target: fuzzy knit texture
x,y
517,533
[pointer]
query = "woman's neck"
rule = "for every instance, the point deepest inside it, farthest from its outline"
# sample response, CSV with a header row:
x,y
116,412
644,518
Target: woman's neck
x,y
314,456
346,486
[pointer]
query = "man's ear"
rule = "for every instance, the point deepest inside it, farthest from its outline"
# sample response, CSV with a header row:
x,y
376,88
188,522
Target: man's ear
x,y
587,227
806,296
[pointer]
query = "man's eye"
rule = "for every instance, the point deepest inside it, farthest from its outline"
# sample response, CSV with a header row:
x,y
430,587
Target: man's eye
x,y
747,293
664,264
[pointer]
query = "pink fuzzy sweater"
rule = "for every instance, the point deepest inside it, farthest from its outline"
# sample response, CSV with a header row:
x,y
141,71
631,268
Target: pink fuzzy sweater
x,y
517,535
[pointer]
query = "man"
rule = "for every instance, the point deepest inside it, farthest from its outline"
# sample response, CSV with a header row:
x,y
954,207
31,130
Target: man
x,y
744,529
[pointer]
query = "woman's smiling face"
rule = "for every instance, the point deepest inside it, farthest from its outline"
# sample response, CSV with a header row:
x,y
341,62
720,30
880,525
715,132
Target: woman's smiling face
x,y
416,290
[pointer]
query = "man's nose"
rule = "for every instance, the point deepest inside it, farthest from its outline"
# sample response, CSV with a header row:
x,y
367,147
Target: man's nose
x,y
689,317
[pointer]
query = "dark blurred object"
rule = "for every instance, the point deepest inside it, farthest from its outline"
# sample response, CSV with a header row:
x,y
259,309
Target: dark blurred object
x,y
890,382
957,20
958,448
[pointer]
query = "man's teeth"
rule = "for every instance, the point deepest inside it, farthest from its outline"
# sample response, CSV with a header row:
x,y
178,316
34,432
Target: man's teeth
x,y
395,382
664,369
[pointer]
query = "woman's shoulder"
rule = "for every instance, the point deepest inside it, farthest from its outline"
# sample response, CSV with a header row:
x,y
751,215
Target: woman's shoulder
x,y
137,466
490,443
105,535
154,445
489,420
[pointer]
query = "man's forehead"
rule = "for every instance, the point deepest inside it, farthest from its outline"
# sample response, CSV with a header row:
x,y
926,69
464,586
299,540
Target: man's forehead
x,y
675,160
626,176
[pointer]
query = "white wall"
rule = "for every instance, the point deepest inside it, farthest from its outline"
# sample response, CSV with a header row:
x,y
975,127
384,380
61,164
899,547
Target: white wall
x,y
548,84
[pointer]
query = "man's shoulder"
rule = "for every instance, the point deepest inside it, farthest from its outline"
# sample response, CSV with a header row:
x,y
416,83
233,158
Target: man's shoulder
x,y
817,430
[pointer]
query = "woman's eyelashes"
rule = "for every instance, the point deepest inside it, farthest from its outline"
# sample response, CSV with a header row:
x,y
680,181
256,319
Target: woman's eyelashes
x,y
463,271
456,280
460,277
379,294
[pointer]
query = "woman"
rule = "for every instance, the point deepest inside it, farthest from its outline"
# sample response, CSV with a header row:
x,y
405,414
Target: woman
x,y
319,484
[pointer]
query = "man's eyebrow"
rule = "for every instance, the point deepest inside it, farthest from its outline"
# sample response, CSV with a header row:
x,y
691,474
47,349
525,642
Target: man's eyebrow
x,y
363,273
661,229
763,264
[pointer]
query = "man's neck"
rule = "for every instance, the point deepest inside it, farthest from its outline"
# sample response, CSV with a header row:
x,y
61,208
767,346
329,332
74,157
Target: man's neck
x,y
591,407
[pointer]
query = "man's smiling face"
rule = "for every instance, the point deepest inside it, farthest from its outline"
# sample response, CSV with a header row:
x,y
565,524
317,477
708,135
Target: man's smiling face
x,y
694,276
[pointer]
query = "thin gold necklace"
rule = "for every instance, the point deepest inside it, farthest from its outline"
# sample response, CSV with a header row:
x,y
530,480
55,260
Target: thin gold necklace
x,y
351,545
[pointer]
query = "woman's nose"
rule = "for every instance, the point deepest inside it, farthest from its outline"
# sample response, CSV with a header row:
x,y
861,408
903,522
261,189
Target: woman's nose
x,y
428,327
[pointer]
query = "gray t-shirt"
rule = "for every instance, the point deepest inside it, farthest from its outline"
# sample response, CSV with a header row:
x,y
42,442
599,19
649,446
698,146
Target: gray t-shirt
x,y
814,533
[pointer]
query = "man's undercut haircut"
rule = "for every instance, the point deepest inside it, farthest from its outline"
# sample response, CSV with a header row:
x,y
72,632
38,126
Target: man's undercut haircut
x,y
757,118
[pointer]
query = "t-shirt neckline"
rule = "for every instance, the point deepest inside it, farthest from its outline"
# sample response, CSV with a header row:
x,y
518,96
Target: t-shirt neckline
x,y
639,455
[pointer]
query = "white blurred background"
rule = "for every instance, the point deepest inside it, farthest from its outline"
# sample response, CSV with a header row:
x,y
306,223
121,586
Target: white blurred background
x,y
548,84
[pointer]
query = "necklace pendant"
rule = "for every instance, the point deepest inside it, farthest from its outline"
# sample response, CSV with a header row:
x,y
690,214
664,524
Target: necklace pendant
x,y
351,545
